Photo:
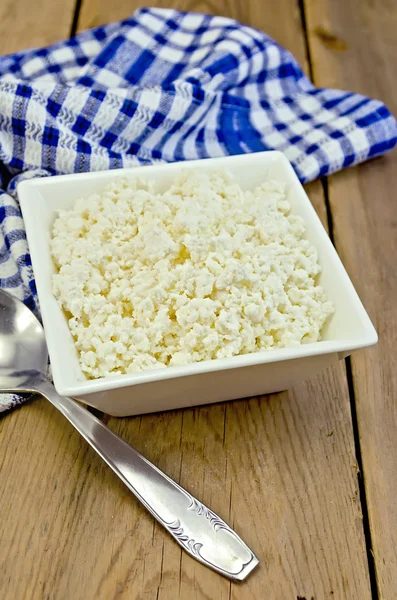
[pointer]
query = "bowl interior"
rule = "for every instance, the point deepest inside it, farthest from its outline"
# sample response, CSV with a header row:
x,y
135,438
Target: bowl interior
x,y
42,198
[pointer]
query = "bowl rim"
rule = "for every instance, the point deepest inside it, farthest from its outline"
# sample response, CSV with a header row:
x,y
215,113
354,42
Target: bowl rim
x,y
367,337
112,382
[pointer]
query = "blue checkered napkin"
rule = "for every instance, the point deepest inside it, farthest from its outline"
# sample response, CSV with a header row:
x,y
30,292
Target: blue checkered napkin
x,y
165,85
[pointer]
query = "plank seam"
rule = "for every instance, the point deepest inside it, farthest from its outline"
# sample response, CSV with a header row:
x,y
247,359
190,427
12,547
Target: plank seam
x,y
330,219
302,12
75,20
349,372
361,483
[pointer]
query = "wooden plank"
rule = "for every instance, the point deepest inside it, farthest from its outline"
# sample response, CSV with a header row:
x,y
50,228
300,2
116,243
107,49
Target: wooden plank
x,y
281,470
22,26
284,22
354,46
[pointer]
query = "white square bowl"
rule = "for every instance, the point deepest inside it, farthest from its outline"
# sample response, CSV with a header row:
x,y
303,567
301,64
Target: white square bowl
x,y
200,383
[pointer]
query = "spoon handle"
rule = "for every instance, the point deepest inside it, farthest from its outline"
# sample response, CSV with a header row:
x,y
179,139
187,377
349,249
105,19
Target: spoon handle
x,y
199,531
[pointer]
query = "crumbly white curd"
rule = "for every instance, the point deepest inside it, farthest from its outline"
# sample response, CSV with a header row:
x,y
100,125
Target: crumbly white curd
x,y
203,270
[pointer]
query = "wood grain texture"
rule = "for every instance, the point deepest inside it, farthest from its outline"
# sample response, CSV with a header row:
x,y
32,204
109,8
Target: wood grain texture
x,y
280,20
25,24
365,228
281,470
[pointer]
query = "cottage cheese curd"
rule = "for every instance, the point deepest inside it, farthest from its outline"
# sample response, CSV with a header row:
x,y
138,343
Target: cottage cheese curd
x,y
204,270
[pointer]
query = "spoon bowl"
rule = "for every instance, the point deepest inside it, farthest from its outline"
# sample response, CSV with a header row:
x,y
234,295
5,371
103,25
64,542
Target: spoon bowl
x,y
23,349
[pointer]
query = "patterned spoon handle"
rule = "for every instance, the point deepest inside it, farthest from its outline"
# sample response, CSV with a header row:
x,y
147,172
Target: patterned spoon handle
x,y
204,535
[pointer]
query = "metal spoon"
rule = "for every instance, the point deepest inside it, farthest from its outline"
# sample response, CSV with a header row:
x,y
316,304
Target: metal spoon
x,y
204,535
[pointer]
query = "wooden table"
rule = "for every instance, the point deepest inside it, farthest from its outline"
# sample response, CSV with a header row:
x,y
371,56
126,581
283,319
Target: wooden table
x,y
308,477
